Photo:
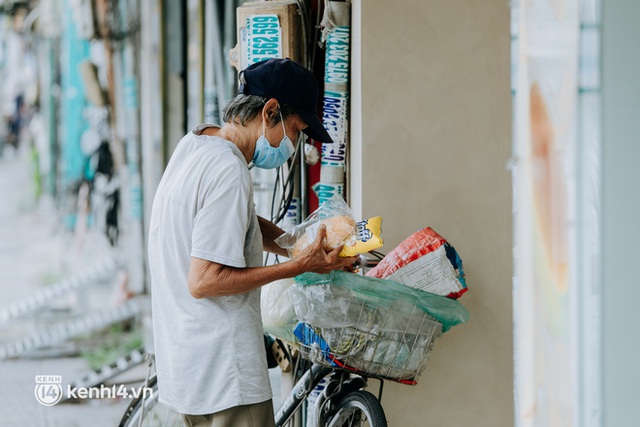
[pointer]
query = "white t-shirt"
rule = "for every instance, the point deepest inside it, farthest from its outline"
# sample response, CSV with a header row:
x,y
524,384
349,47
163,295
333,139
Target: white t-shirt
x,y
210,352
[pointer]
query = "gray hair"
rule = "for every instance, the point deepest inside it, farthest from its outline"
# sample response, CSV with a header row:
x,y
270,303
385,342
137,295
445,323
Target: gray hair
x,y
244,108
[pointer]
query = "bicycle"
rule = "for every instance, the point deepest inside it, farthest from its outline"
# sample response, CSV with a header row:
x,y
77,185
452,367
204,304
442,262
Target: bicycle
x,y
341,403
346,357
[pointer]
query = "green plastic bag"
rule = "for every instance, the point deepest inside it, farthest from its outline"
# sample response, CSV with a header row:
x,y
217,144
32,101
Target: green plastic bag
x,y
341,299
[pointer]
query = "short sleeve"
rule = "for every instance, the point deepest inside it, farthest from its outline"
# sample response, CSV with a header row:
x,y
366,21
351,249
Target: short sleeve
x,y
222,218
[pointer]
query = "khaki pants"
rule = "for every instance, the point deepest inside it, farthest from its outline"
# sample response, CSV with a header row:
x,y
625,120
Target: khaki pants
x,y
257,415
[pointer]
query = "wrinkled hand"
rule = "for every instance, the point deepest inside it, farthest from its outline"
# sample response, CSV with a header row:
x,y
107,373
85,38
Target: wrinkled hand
x,y
316,259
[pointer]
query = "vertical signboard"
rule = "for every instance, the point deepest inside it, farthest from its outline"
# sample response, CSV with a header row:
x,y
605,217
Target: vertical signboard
x,y
335,109
262,37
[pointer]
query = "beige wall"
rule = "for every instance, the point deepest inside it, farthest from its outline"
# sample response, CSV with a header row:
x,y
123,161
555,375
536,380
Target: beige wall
x,y
431,138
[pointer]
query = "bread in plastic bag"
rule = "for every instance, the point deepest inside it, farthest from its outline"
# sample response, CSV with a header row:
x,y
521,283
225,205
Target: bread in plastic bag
x,y
335,214
340,230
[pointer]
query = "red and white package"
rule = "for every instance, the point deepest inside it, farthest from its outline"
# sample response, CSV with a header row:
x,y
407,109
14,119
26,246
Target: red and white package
x,y
425,261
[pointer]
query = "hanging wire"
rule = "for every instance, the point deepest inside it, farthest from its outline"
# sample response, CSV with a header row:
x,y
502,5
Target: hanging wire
x,y
285,185
304,13
317,31
378,255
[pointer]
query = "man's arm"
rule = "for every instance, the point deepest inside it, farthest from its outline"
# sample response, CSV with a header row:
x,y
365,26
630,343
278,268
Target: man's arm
x,y
270,232
210,279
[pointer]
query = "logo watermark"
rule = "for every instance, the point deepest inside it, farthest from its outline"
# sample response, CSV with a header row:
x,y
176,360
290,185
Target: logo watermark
x,y
49,391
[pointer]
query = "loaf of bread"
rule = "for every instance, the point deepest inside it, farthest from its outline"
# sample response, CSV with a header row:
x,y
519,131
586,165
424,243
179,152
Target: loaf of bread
x,y
340,230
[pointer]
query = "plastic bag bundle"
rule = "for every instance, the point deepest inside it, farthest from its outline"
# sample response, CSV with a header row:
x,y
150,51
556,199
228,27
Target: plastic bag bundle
x,y
376,326
425,261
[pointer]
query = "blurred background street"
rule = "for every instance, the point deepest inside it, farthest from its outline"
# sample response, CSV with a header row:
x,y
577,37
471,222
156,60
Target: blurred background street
x,y
52,277
36,256
83,143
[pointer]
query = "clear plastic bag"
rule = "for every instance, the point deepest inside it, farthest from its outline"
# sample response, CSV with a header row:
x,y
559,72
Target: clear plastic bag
x,y
278,314
335,214
325,300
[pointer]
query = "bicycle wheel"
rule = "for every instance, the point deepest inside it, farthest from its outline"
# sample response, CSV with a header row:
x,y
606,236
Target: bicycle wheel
x,y
358,408
147,411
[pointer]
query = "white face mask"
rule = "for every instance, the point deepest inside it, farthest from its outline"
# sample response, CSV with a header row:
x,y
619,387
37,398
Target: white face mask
x,y
266,156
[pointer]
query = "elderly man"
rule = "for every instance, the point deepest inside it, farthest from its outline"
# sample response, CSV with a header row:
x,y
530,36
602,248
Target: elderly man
x,y
205,250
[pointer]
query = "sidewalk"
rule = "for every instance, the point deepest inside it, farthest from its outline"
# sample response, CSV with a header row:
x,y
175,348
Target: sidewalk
x,y
35,253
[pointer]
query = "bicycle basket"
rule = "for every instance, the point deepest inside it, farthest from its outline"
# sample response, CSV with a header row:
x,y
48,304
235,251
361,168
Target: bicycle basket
x,y
375,326
378,350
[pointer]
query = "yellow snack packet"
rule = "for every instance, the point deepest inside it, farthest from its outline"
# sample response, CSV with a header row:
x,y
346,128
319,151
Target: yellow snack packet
x,y
368,237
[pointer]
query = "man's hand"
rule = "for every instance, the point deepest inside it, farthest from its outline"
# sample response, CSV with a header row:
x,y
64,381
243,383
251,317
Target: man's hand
x,y
271,232
316,259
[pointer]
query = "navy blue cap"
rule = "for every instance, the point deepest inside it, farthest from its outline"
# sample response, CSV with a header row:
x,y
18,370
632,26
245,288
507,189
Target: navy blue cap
x,y
290,83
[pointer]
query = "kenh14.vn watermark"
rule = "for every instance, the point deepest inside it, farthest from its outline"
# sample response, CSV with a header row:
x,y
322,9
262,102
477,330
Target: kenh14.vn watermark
x,y
49,391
